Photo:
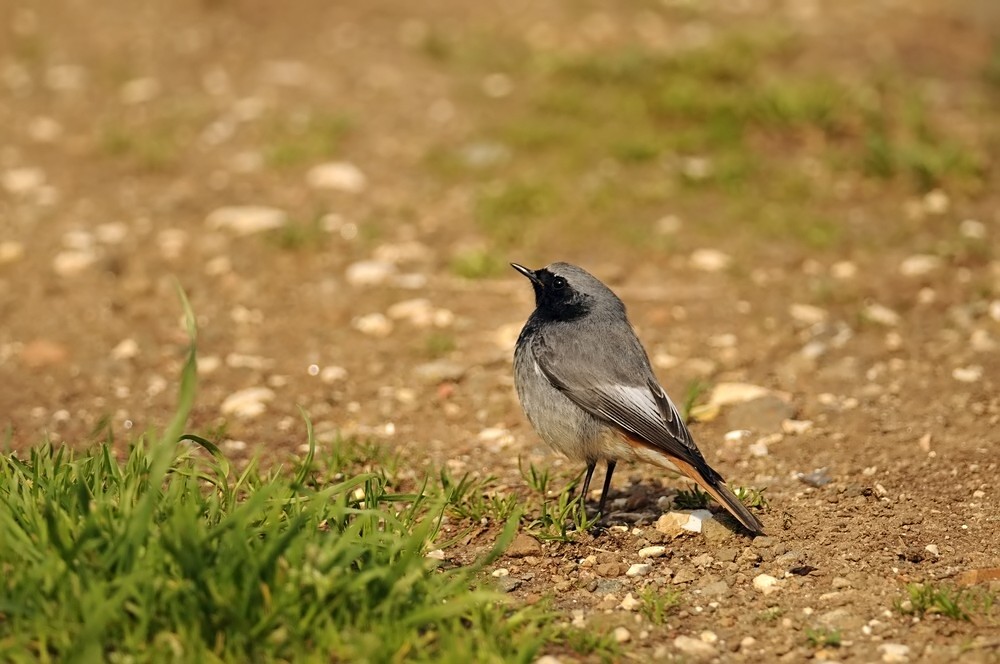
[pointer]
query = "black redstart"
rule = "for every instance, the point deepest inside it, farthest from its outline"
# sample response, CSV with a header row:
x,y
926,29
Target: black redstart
x,y
586,385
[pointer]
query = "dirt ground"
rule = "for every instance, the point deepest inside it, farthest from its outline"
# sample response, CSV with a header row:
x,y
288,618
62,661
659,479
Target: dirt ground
x,y
129,133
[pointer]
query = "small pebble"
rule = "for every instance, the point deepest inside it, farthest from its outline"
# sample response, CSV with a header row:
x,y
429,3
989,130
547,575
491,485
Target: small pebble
x,y
247,403
807,314
765,583
696,649
710,260
920,265
244,220
881,315
125,350
337,176
71,263
622,635
894,653
369,273
373,325
969,374
630,603
843,270
652,552
11,252
639,569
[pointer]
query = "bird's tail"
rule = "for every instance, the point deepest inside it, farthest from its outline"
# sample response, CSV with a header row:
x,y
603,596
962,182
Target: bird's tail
x,y
718,490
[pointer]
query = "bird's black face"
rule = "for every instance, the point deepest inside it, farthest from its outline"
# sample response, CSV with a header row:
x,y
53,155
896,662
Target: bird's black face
x,y
555,297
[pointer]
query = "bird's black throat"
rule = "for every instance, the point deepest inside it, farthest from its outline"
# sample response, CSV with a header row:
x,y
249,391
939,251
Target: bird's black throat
x,y
556,300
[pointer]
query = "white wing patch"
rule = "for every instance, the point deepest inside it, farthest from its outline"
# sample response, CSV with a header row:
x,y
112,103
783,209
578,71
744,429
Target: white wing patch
x,y
639,400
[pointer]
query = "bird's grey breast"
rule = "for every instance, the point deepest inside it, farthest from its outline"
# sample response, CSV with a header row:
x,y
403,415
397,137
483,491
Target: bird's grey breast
x,y
558,421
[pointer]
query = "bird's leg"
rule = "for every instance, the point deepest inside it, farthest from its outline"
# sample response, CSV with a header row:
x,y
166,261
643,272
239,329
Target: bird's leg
x,y
607,486
586,485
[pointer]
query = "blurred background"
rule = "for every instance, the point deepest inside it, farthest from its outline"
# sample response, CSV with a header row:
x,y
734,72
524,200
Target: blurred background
x,y
797,193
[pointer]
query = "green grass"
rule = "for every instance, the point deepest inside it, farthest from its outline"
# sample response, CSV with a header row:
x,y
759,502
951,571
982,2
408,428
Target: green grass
x,y
658,604
941,599
692,499
151,149
288,142
560,514
823,637
477,264
171,553
770,614
609,137
752,497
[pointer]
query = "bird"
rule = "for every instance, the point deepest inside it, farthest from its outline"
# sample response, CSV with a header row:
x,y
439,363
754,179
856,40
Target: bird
x,y
586,386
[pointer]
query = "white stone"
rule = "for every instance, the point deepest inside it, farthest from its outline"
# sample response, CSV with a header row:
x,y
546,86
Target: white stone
x,y
337,176
113,232
44,129
933,550
894,653
246,219
696,649
652,552
369,273
765,583
72,262
501,572
747,642
936,202
972,229
724,394
843,270
208,364
421,312
969,374
374,325
920,265
171,242
796,427
548,659
630,603
676,521
709,636
139,91
436,554
758,449
639,569
622,635
881,314
247,403
402,252
710,260
668,225
125,350
807,314
22,181
332,374
65,78
245,361
11,252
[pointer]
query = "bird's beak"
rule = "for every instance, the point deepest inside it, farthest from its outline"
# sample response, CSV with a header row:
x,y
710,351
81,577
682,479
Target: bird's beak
x,y
530,274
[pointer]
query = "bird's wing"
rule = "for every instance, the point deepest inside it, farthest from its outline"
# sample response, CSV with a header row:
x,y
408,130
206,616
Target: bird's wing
x,y
619,387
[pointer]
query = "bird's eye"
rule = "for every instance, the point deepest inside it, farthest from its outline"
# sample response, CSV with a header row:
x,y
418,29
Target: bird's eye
x,y
558,283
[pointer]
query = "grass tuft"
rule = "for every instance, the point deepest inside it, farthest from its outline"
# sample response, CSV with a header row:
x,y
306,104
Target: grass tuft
x,y
170,553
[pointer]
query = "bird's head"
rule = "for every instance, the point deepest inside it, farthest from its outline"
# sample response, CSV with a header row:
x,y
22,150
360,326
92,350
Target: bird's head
x,y
564,292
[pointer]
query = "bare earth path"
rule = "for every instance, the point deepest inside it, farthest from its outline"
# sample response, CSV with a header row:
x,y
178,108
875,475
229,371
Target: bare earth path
x,y
795,196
